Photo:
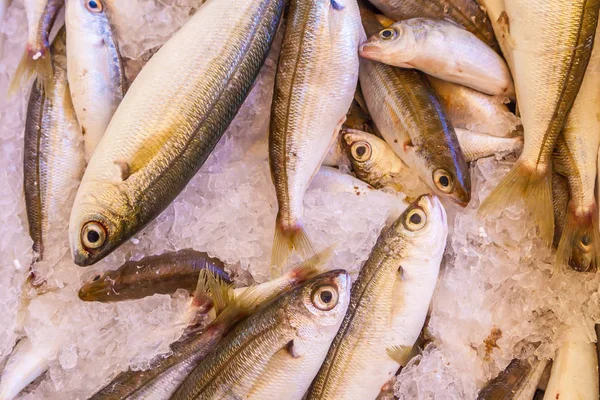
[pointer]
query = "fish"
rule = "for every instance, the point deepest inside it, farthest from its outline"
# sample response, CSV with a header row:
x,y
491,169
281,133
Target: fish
x,y
441,49
26,363
469,109
166,373
309,107
518,381
411,119
578,145
96,72
53,161
498,18
41,15
574,372
388,306
463,12
549,66
169,121
560,199
276,352
162,274
333,180
475,145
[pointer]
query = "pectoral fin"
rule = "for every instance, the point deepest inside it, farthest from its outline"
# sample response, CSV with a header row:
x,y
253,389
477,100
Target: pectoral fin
x,y
400,354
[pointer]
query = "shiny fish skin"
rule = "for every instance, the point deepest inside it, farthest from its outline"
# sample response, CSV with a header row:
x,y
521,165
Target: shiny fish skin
x,y
464,12
96,73
388,306
276,352
469,109
411,119
552,43
496,12
560,199
169,121
53,156
477,145
518,381
441,49
314,86
163,274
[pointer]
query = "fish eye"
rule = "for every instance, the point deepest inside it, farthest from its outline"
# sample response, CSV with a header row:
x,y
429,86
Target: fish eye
x,y
94,6
388,34
93,235
325,298
361,151
443,181
415,220
96,278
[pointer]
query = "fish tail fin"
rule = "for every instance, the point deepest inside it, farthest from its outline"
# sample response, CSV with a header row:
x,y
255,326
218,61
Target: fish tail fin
x,y
311,267
239,307
534,188
285,241
28,67
579,246
211,291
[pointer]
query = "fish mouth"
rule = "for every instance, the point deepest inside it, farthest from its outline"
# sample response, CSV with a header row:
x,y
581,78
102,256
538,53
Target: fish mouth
x,y
91,292
368,50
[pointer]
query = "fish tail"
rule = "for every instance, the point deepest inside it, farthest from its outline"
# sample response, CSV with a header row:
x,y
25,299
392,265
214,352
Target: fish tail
x,y
311,267
579,246
239,307
28,67
534,188
286,240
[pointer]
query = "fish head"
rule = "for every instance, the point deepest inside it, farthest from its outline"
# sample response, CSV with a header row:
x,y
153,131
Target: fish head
x,y
394,45
423,225
100,288
319,305
85,11
364,152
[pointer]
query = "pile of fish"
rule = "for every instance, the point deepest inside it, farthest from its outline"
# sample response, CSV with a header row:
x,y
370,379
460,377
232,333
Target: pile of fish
x,y
401,93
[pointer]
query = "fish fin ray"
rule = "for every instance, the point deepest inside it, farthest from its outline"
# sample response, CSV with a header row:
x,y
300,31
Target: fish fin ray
x,y
29,67
575,229
239,307
400,354
284,243
312,266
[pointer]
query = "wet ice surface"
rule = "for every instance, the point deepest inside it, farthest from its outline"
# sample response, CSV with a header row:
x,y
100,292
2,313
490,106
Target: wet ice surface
x,y
496,275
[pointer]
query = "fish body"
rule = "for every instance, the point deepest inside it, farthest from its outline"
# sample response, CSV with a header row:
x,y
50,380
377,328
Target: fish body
x,y
552,44
477,145
169,121
41,15
53,160
276,352
469,109
320,42
441,49
578,149
96,73
464,12
498,18
560,199
162,274
388,306
518,381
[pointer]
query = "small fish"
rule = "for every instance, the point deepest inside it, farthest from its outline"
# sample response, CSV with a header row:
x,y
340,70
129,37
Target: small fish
x,y
309,107
169,122
41,15
276,352
53,161
518,381
574,374
441,49
549,66
463,12
477,145
389,304
26,363
411,119
469,109
96,73
163,274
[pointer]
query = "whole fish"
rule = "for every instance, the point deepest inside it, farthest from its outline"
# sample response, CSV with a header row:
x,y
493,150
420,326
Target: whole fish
x,y
469,109
477,145
388,306
560,199
441,49
166,373
549,65
464,12
26,363
163,274
411,119
574,372
53,162
321,40
169,122
518,381
276,352
580,243
96,73
41,15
